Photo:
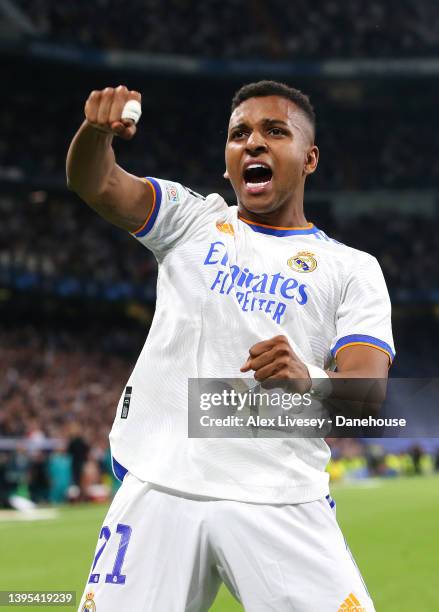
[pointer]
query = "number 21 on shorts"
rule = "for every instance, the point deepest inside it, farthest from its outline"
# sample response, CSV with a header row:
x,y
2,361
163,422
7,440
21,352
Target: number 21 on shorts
x,y
116,576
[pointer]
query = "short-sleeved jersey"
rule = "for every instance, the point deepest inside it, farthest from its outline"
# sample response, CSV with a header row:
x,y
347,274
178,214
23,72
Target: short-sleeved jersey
x,y
224,284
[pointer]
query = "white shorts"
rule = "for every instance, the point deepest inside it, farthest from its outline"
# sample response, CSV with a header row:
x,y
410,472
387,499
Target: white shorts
x,y
161,551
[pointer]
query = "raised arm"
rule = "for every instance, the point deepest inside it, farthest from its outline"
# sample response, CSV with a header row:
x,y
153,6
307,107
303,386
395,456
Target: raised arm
x,y
92,172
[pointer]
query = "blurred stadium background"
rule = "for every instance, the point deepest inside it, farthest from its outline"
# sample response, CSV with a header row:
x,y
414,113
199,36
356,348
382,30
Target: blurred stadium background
x,y
77,296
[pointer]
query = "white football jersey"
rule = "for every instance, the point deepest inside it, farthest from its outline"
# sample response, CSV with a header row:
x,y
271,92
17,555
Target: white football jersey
x,y
224,284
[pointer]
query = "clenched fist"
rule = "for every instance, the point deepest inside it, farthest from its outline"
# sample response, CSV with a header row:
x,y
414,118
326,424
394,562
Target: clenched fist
x,y
103,110
273,360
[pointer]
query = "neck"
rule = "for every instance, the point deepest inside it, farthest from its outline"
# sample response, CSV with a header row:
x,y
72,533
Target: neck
x,y
290,214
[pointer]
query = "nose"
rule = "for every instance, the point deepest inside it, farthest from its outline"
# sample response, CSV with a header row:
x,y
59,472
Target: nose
x,y
256,143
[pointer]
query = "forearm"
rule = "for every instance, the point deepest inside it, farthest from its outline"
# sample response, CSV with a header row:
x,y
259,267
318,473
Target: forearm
x,y
356,373
90,162
361,375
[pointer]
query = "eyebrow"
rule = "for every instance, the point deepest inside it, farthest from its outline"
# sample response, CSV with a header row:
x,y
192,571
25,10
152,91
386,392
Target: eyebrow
x,y
265,121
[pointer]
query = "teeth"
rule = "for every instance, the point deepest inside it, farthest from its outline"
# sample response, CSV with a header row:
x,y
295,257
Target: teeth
x,y
256,185
256,166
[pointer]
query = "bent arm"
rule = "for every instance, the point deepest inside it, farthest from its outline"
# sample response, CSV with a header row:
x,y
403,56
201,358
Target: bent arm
x,y
119,197
92,172
274,360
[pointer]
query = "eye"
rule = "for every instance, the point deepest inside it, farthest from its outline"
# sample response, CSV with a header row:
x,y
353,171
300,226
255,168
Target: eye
x,y
237,134
276,131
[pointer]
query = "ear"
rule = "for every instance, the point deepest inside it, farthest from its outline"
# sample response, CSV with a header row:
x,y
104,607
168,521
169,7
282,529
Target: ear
x,y
311,161
226,175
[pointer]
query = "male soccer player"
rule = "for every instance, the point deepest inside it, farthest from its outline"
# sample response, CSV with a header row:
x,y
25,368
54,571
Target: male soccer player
x,y
246,290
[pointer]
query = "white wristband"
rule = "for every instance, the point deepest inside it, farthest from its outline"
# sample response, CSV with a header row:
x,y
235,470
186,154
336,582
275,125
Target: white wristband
x,y
321,383
132,110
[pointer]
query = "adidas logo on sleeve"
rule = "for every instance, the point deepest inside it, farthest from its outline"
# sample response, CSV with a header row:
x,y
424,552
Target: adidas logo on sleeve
x,y
351,604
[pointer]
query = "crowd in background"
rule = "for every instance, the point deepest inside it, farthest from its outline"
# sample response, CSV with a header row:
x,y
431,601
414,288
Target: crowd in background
x,y
60,383
59,390
243,28
360,148
46,237
356,459
58,236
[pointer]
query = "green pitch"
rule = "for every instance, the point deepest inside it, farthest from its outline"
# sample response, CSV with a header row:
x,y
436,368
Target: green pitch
x,y
392,528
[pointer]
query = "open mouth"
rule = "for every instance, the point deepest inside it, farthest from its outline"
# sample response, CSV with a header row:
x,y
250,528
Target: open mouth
x,y
257,177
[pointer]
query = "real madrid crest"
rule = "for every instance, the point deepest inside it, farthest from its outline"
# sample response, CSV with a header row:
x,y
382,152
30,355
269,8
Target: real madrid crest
x,y
303,261
89,605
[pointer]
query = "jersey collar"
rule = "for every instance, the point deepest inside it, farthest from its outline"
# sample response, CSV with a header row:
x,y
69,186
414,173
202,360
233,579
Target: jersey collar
x,y
272,230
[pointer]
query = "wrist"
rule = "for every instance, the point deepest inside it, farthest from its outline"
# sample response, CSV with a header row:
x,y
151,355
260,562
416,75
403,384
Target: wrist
x,y
321,385
97,129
